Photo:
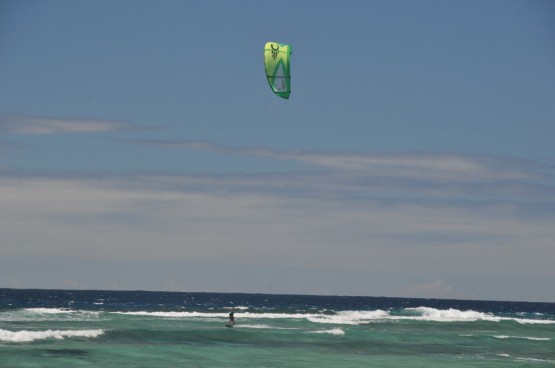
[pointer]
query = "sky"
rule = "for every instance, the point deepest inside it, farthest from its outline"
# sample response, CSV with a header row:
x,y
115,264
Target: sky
x,y
142,148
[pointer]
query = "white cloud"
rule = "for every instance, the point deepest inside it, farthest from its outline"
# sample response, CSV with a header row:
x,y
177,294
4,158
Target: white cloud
x,y
29,124
498,222
437,167
130,218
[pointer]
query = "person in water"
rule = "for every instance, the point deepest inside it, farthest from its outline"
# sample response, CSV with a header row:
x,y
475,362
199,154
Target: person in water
x,y
231,318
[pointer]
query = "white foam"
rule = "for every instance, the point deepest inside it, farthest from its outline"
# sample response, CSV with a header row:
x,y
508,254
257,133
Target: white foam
x,y
523,337
532,321
28,336
340,318
350,317
455,315
244,315
535,360
62,312
263,326
174,314
523,359
354,317
419,314
49,310
48,314
255,326
276,315
333,331
449,315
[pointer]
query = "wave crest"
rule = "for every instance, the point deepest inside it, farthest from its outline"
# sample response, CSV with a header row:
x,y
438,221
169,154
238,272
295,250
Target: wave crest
x,y
29,336
355,317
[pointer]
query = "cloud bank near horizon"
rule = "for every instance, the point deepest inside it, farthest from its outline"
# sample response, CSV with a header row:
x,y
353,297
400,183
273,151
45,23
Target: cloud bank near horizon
x,y
415,218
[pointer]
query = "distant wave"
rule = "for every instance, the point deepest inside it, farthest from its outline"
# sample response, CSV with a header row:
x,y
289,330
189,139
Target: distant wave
x,y
28,336
49,310
48,314
333,331
523,359
263,326
534,360
175,314
257,326
523,337
417,314
455,315
329,317
350,317
62,311
357,317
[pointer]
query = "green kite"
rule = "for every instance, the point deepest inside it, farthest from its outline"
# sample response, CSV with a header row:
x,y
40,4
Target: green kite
x,y
278,70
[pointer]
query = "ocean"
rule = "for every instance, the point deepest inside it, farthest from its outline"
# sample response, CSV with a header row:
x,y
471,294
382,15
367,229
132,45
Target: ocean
x,y
76,328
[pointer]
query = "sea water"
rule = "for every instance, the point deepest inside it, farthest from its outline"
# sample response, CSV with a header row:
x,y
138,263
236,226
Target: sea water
x,y
69,328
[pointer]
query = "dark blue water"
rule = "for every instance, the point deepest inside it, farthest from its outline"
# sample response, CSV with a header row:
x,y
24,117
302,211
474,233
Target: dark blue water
x,y
147,300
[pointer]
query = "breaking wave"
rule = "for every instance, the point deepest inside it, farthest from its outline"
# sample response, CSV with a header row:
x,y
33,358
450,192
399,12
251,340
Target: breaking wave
x,y
356,317
29,336
333,331
523,337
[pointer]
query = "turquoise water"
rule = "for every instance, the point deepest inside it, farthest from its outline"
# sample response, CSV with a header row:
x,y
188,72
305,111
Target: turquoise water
x,y
140,329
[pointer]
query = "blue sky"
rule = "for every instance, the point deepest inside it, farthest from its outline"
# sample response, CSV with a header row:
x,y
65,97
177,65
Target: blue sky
x,y
141,148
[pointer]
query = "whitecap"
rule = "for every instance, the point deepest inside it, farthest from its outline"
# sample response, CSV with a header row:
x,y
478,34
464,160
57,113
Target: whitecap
x,y
49,310
28,336
48,314
173,314
333,331
263,326
532,321
255,326
242,315
522,337
448,315
534,360
350,317
238,308
455,315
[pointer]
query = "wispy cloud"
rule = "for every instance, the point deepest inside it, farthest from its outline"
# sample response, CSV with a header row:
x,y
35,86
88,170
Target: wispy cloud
x,y
422,175
168,218
30,124
307,220
439,166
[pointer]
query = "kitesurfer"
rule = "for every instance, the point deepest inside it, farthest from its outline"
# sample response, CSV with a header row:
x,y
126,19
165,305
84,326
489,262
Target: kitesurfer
x,y
231,318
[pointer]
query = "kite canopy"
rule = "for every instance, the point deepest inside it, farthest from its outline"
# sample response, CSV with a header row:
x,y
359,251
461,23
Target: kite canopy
x,y
278,71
